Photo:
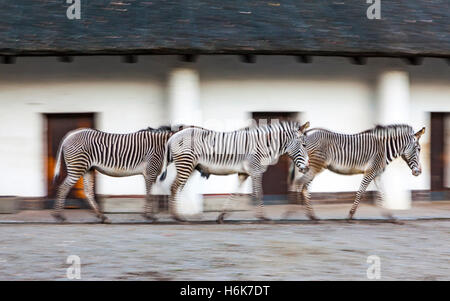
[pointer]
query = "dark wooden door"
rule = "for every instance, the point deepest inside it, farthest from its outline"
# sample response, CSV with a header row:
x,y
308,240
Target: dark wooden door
x,y
57,126
440,157
275,179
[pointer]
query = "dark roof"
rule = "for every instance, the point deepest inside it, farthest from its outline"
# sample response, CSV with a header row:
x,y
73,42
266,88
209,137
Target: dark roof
x,y
320,27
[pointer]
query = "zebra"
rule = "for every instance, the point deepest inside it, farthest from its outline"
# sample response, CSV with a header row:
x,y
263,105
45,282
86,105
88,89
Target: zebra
x,y
366,153
247,152
85,150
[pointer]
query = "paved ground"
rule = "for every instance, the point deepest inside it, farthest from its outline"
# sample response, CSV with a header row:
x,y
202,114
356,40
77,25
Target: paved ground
x,y
330,250
419,210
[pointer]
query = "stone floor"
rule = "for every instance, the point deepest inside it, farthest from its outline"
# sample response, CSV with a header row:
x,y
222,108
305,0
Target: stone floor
x,y
334,212
33,247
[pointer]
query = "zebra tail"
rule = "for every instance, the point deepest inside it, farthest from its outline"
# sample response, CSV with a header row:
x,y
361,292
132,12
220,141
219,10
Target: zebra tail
x,y
58,164
167,160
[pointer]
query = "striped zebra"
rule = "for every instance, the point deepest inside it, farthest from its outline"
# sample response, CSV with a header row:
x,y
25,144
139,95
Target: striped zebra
x,y
118,155
366,153
247,152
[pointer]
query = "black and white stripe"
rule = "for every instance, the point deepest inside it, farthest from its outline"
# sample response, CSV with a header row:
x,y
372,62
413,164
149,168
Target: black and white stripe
x,y
367,153
117,155
246,152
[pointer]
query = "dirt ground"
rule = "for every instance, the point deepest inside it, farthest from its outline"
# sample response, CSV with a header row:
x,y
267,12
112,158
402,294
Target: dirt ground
x,y
330,250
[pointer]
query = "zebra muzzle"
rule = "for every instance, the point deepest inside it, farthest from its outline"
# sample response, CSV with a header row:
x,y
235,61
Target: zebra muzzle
x,y
303,169
416,171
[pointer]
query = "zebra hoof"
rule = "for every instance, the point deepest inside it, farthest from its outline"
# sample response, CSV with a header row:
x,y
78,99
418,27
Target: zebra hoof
x,y
287,214
350,215
313,218
391,219
106,221
395,221
265,219
150,217
59,217
220,218
180,219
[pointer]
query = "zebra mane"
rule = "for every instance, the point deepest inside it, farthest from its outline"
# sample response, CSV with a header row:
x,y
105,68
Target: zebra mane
x,y
180,127
291,124
382,130
163,128
173,129
392,130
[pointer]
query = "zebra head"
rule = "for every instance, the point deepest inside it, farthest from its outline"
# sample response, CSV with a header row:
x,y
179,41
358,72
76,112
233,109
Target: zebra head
x,y
296,148
411,153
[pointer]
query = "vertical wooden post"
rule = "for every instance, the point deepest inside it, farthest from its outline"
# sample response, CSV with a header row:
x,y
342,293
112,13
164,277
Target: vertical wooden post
x,y
437,151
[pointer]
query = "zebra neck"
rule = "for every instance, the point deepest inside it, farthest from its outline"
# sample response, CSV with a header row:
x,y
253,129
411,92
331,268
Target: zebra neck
x,y
393,149
282,150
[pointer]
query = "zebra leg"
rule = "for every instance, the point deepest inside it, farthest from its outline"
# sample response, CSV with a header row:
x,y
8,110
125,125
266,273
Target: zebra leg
x,y
302,187
365,182
61,195
149,199
257,193
299,184
224,213
379,202
176,187
379,195
307,197
88,182
220,218
184,170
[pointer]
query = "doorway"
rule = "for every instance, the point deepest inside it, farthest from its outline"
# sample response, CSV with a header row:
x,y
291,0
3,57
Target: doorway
x,y
275,179
56,127
440,155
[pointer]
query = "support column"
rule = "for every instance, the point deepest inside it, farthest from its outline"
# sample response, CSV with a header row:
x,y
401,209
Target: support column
x,y
393,107
184,96
183,91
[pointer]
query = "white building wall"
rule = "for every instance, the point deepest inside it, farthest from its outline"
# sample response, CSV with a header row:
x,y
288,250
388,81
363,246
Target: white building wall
x,y
124,103
330,93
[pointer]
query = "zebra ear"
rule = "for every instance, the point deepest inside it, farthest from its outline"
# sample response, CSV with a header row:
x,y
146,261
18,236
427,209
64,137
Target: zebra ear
x,y
420,133
304,127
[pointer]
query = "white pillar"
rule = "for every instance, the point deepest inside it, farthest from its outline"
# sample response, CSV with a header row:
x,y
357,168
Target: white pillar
x,y
184,96
393,107
183,92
